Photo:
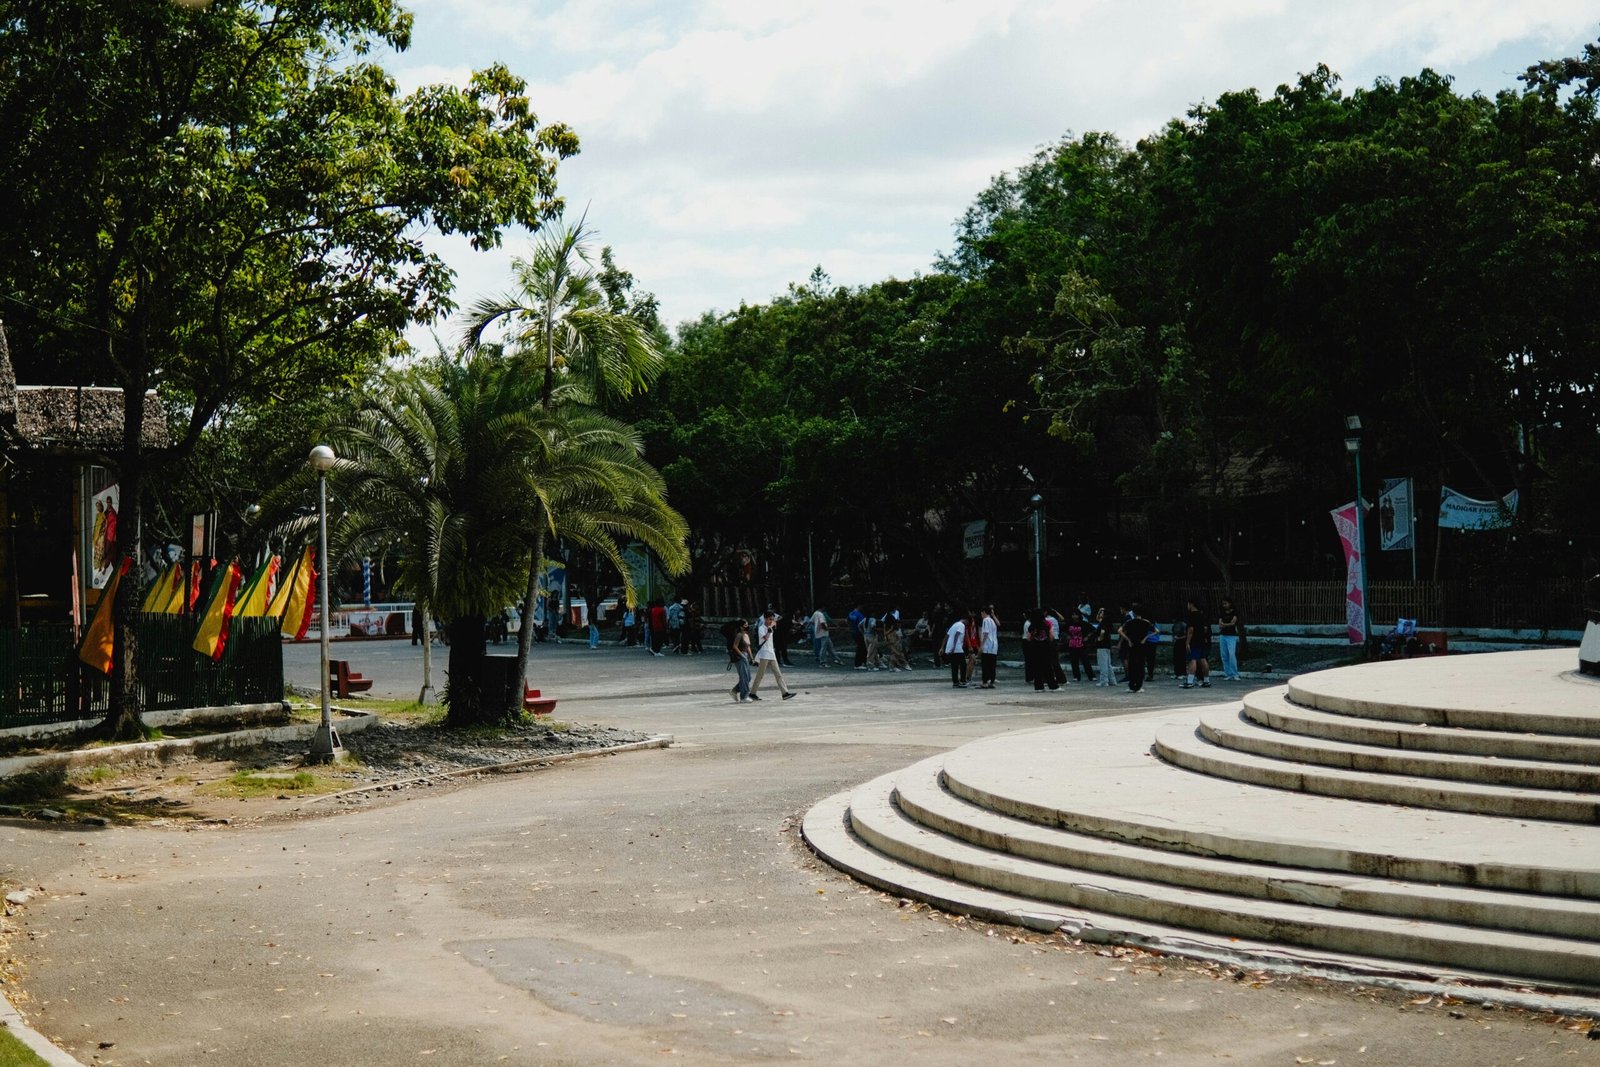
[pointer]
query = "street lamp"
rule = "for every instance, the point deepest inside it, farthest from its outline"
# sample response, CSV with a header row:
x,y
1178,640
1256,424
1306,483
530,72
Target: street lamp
x,y
1037,503
325,747
1352,445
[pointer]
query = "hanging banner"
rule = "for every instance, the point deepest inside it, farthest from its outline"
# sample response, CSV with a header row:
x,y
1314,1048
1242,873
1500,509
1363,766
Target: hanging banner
x,y
1394,515
1460,512
973,535
103,536
1355,593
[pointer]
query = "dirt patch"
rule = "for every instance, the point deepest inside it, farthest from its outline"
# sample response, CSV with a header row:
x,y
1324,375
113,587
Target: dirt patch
x,y
389,762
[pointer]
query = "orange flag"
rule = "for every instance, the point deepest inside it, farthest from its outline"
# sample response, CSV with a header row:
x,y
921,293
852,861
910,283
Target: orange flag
x,y
99,639
253,598
293,601
212,637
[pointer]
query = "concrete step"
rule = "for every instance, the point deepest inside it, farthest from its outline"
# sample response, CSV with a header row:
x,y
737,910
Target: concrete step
x,y
875,819
920,796
1099,778
1187,748
1228,728
1273,708
1517,692
826,831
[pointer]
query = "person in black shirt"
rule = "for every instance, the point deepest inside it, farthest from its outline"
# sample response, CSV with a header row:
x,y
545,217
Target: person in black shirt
x,y
1135,628
1198,633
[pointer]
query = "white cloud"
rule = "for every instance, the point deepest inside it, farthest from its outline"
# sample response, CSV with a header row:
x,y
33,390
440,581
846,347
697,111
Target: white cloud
x,y
729,146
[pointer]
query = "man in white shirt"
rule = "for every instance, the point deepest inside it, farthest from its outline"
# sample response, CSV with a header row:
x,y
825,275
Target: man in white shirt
x,y
822,640
767,657
988,647
955,650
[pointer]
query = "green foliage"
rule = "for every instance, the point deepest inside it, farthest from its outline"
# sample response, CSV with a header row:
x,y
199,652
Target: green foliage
x,y
222,201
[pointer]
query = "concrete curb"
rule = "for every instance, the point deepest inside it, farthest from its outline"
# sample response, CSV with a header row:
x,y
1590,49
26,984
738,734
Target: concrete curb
x,y
162,751
12,1022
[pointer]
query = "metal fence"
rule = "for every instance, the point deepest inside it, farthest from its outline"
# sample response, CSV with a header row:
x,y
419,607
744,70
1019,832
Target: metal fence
x,y
42,680
1547,604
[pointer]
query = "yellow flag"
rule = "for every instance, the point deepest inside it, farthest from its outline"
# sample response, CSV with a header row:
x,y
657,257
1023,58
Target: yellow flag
x,y
166,593
253,599
98,639
212,637
293,601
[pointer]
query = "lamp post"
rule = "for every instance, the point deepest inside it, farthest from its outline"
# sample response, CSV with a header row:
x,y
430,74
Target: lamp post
x,y
1352,445
1037,503
325,747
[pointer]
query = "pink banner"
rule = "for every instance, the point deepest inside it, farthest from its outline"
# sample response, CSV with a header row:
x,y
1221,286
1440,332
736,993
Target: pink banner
x,y
1355,615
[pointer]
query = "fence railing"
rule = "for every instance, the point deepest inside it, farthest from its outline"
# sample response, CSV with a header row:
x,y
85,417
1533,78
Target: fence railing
x,y
42,680
1546,604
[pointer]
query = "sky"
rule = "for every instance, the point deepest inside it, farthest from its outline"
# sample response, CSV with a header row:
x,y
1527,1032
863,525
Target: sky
x,y
729,147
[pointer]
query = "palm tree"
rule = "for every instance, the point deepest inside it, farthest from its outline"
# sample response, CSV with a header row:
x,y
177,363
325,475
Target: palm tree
x,y
432,469
457,468
563,323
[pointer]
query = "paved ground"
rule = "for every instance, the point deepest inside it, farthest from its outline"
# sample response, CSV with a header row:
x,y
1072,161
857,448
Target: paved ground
x,y
623,910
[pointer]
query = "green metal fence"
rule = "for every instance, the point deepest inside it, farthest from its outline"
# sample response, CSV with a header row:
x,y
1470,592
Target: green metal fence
x,y
42,681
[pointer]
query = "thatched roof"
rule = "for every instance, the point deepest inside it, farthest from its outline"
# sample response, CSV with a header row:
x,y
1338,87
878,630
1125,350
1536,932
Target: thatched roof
x,y
8,380
68,419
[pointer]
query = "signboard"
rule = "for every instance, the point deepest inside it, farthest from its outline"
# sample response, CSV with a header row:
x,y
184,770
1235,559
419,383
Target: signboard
x,y
973,536
103,536
1460,512
1395,527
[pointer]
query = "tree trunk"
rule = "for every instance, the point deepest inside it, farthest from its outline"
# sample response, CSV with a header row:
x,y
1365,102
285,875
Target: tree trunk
x,y
124,717
464,695
426,696
525,628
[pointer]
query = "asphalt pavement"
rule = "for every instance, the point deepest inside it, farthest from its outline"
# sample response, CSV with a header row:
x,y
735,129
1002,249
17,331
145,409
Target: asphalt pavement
x,y
658,904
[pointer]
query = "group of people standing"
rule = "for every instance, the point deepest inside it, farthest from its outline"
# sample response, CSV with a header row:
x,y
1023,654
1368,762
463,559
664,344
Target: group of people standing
x,y
1089,636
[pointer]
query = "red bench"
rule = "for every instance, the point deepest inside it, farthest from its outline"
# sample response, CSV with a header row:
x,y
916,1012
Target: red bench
x,y
342,681
537,703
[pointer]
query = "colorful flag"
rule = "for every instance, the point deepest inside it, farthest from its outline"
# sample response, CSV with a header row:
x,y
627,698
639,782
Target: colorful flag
x,y
212,636
99,640
256,593
1355,591
293,602
165,595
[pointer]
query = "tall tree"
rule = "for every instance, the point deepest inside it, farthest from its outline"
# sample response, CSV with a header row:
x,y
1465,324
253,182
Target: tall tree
x,y
566,322
223,201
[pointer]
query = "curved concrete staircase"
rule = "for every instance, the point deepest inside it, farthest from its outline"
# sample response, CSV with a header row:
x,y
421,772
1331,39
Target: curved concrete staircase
x,y
1428,818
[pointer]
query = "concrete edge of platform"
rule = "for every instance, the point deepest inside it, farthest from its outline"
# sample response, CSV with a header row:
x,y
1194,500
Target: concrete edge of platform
x,y
824,830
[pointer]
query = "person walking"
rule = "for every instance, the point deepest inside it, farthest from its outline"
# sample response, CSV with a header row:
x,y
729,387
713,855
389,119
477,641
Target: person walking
x,y
1229,629
1134,632
856,618
988,647
675,625
955,652
822,640
739,656
1102,638
767,657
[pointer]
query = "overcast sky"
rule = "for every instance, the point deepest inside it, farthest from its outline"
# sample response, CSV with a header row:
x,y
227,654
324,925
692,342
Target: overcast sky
x,y
731,146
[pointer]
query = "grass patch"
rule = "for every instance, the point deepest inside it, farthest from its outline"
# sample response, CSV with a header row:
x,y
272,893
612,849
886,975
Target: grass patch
x,y
255,784
13,1053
